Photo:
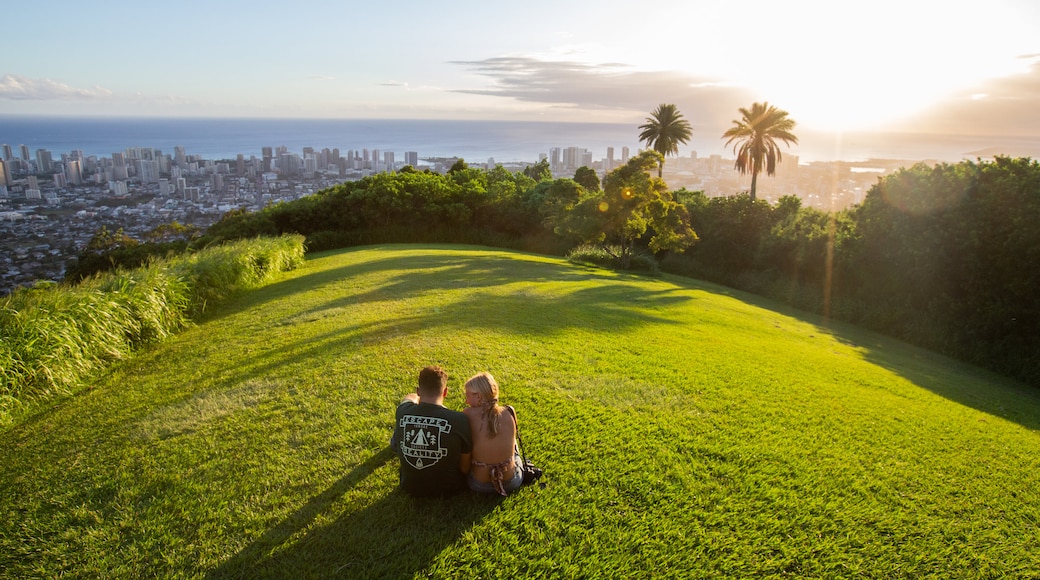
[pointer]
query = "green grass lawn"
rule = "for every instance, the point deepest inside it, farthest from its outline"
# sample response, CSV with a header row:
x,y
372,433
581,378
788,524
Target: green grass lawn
x,y
686,430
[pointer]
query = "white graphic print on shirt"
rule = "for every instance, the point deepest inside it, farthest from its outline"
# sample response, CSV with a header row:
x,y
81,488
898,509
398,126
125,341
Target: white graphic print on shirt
x,y
422,440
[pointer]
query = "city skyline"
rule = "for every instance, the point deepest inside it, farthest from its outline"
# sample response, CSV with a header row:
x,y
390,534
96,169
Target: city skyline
x,y
941,67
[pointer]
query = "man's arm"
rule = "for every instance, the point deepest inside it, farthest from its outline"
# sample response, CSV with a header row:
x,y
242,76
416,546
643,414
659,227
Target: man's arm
x,y
411,398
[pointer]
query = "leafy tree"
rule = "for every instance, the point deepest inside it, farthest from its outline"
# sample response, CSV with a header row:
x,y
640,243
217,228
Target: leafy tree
x,y
459,165
587,178
731,230
664,129
539,171
172,231
756,134
632,204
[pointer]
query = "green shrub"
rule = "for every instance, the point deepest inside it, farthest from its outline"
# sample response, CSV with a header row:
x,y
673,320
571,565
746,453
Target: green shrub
x,y
605,257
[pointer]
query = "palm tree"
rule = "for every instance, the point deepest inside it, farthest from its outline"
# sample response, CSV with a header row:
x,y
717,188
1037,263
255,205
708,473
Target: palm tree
x,y
756,135
665,128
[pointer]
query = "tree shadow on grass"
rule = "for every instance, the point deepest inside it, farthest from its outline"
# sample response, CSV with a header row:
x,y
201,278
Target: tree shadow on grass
x,y
957,381
419,273
394,537
621,301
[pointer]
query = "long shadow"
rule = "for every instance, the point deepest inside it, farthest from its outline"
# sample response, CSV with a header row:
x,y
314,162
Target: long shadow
x,y
240,565
623,303
395,537
983,391
419,273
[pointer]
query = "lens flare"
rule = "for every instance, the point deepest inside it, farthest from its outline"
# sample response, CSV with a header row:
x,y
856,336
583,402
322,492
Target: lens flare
x,y
604,206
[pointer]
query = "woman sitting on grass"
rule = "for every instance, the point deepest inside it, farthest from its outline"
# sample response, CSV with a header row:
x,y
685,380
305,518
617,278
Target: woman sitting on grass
x,y
496,463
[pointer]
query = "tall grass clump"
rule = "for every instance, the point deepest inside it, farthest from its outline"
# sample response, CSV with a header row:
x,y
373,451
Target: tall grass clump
x,y
156,298
219,271
53,337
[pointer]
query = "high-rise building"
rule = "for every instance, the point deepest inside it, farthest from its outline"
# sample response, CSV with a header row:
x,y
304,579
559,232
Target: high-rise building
x,y
388,160
119,170
624,155
44,161
179,157
411,158
310,165
608,163
32,182
573,158
788,167
8,153
24,150
74,171
147,171
268,155
60,181
289,164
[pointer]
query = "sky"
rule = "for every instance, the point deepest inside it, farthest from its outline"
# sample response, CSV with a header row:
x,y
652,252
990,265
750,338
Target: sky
x,y
948,66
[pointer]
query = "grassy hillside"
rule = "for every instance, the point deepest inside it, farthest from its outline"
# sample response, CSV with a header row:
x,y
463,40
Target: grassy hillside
x,y
686,431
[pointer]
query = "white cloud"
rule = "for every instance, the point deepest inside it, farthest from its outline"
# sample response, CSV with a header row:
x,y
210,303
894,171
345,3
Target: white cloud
x,y
19,88
606,86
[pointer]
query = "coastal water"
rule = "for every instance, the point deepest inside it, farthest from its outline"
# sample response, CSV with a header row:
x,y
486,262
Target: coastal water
x,y
476,141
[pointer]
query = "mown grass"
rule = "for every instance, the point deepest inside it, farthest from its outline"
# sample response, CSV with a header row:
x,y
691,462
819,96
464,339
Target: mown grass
x,y
686,430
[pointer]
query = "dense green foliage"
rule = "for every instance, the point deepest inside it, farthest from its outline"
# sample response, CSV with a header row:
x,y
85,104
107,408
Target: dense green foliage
x,y
687,430
467,205
632,206
52,337
109,250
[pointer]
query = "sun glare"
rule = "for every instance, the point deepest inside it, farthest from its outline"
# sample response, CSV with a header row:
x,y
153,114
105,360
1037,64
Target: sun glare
x,y
842,66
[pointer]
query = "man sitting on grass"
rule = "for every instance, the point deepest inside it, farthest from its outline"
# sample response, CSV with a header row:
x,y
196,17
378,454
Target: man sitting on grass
x,y
433,443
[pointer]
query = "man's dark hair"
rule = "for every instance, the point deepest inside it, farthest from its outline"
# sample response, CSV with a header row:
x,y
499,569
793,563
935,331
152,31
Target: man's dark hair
x,y
432,380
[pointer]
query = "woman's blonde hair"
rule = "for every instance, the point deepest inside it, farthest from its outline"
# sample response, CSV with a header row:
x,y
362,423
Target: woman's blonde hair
x,y
484,384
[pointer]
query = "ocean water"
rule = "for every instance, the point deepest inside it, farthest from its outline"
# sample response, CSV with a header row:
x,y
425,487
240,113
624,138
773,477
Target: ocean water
x,y
475,141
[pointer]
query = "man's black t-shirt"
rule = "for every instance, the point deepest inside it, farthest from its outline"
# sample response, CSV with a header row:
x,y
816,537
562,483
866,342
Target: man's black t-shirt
x,y
430,439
